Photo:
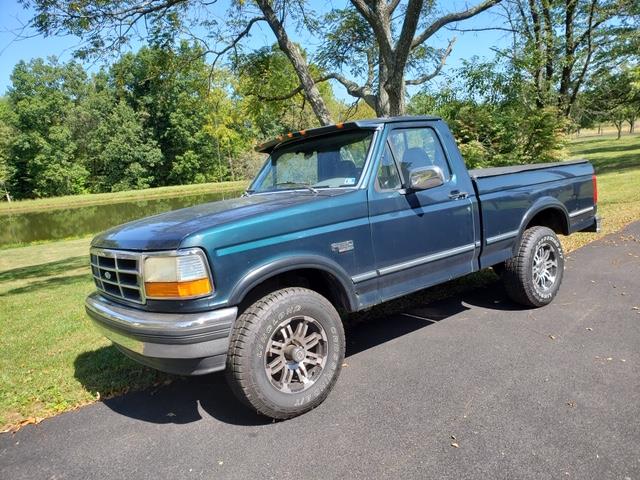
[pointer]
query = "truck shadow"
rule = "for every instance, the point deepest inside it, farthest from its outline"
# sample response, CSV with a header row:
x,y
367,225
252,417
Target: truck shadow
x,y
190,399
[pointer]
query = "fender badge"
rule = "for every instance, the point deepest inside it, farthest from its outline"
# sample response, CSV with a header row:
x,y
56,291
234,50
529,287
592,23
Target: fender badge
x,y
342,247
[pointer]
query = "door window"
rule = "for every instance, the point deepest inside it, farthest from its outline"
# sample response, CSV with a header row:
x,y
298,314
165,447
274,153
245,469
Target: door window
x,y
388,177
418,147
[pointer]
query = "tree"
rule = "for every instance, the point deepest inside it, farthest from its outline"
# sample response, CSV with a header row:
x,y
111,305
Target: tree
x,y
7,134
181,100
561,42
262,77
613,97
43,152
399,33
489,108
123,155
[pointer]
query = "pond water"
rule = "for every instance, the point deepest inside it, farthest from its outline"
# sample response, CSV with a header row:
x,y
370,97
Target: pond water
x,y
56,224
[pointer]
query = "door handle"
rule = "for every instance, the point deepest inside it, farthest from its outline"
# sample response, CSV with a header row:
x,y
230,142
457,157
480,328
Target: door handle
x,y
457,195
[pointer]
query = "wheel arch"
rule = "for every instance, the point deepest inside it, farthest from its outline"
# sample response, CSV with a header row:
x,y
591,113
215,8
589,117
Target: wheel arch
x,y
311,271
545,212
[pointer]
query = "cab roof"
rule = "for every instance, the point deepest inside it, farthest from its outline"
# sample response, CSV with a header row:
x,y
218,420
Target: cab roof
x,y
371,123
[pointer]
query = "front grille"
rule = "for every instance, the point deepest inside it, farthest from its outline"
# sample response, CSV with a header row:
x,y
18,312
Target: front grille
x,y
118,274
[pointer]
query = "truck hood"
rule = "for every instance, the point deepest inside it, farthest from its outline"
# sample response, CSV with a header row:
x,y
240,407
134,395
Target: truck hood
x,y
166,230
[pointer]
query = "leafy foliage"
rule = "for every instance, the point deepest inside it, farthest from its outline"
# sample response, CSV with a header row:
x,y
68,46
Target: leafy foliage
x,y
613,96
560,45
156,117
43,153
6,135
490,111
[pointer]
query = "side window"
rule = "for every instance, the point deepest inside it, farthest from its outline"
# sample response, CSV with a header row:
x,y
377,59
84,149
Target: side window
x,y
418,147
388,177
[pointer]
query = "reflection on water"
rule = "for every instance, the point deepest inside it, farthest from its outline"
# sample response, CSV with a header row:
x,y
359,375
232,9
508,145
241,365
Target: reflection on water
x,y
63,223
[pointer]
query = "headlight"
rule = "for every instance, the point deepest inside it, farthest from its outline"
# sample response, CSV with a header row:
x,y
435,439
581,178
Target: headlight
x,y
177,275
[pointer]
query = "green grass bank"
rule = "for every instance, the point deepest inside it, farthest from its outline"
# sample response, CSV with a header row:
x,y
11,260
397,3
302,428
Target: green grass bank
x,y
25,206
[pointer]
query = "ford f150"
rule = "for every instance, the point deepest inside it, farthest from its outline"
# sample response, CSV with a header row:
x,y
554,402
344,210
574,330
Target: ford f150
x,y
339,218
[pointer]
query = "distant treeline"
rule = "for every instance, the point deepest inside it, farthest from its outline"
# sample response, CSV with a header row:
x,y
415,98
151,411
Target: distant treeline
x,y
164,116
153,118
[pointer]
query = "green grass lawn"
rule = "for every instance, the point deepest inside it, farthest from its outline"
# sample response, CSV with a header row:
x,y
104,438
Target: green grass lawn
x,y
24,206
617,164
52,360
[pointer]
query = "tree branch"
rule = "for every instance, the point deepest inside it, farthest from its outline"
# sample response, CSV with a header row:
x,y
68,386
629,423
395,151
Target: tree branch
x,y
286,96
352,87
487,29
525,20
578,83
298,62
450,18
392,6
438,69
403,46
235,40
381,27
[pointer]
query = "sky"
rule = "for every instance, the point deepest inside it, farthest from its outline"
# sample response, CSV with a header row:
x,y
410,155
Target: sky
x,y
13,18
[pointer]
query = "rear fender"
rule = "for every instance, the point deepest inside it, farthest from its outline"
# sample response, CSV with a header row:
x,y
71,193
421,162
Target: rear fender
x,y
538,206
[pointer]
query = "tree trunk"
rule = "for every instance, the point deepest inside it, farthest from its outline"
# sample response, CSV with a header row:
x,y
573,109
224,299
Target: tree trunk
x,y
299,63
632,124
619,128
382,98
538,75
395,91
548,42
567,67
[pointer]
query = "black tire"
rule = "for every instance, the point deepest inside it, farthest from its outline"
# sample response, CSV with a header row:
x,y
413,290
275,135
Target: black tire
x,y
522,280
498,269
258,333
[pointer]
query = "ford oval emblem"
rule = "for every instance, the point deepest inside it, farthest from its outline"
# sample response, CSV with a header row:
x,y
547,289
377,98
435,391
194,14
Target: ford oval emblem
x,y
107,275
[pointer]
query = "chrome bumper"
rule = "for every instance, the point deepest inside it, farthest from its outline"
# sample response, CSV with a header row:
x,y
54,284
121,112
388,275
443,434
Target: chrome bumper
x,y
184,343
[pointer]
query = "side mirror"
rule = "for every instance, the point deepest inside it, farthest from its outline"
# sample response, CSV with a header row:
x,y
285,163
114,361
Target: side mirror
x,y
423,178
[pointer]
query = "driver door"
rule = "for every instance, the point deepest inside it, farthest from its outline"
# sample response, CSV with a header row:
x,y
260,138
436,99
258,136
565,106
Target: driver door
x,y
420,238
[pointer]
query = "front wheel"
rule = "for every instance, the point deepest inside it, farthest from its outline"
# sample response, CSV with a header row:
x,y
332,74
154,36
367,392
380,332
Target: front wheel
x,y
533,276
286,352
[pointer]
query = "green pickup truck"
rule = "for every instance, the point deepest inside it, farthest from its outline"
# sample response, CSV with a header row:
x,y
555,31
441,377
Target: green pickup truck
x,y
339,219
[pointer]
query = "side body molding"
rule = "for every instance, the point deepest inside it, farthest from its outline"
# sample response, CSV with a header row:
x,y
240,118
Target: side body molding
x,y
291,263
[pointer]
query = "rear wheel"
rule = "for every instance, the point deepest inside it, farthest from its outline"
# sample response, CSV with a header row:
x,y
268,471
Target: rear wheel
x,y
533,276
286,352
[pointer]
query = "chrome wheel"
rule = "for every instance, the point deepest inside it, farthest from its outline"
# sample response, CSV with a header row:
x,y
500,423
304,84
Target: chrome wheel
x,y
545,268
296,354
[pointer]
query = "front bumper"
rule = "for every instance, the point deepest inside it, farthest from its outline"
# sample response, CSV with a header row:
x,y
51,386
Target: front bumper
x,y
181,343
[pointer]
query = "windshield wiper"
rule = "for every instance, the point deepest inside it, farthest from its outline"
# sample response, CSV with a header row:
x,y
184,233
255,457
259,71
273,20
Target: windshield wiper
x,y
296,184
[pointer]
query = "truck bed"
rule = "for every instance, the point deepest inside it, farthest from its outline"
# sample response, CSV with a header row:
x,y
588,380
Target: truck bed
x,y
507,196
494,171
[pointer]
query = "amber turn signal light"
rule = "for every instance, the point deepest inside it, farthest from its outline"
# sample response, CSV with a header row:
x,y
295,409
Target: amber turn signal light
x,y
193,288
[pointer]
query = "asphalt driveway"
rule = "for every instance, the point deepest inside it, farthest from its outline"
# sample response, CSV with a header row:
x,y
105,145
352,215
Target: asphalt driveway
x,y
547,393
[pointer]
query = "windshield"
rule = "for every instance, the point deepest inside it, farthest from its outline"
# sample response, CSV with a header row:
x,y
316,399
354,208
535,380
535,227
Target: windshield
x,y
334,161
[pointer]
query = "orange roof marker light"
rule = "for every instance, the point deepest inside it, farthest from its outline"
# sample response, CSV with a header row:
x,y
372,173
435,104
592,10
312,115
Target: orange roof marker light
x,y
290,135
302,132
339,125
